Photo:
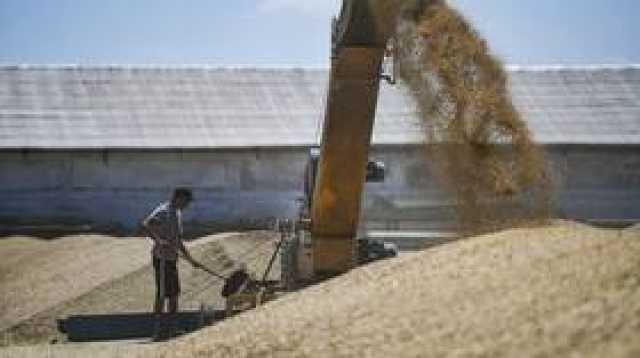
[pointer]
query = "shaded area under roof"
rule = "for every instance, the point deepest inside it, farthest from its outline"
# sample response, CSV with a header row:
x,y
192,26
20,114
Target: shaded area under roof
x,y
99,107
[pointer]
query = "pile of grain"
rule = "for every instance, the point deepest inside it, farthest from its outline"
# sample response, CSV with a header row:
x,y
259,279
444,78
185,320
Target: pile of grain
x,y
479,147
134,290
563,290
635,228
39,274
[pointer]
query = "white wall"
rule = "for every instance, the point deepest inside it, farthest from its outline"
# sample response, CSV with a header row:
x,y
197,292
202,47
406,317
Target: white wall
x,y
117,189
248,187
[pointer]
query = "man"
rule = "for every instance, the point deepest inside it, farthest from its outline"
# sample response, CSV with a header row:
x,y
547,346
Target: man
x,y
164,227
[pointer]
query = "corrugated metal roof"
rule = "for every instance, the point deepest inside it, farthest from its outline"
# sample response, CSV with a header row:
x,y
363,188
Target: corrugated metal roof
x,y
591,105
199,107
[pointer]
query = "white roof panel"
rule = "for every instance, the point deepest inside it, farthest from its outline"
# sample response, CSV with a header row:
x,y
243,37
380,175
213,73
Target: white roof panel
x,y
74,107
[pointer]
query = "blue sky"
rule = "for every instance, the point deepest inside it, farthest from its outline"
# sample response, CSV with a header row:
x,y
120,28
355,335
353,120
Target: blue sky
x,y
293,32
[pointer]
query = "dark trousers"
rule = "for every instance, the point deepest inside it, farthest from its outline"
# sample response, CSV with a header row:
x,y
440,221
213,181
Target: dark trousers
x,y
171,277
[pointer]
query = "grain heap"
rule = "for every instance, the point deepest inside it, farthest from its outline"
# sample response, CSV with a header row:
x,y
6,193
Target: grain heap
x,y
483,152
37,274
561,290
114,277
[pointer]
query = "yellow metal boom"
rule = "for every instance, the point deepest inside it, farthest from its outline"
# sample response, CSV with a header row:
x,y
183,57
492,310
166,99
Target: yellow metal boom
x,y
360,37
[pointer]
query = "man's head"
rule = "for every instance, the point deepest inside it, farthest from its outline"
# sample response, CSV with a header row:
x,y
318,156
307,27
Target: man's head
x,y
181,197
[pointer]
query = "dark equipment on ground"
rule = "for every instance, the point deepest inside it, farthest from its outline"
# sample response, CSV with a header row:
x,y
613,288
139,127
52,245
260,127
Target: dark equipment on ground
x,y
234,283
109,327
370,250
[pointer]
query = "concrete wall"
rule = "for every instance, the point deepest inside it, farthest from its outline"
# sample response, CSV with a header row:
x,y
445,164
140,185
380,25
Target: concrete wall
x,y
596,183
117,189
248,187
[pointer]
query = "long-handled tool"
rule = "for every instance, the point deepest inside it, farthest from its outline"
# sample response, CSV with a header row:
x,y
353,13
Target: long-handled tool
x,y
212,273
202,267
273,258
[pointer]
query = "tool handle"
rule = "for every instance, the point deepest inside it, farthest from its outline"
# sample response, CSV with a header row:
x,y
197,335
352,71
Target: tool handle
x,y
209,271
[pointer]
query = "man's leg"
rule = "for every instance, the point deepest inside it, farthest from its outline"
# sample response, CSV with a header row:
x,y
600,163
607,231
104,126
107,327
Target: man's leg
x,y
173,304
159,305
160,269
173,292
159,324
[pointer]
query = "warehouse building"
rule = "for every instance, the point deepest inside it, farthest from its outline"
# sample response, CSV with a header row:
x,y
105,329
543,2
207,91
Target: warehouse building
x,y
97,147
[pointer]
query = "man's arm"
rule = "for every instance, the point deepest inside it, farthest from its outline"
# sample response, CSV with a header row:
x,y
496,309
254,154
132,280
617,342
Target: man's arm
x,y
180,242
150,225
187,255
